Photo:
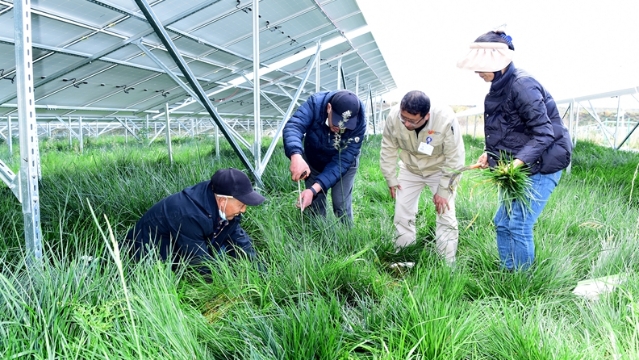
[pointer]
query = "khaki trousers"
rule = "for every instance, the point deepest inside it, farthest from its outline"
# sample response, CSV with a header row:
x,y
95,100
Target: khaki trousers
x,y
406,207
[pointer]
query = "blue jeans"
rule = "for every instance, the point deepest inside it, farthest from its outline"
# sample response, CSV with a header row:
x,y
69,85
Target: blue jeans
x,y
515,230
341,194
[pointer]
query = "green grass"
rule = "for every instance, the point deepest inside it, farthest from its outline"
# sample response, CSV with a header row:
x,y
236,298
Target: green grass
x,y
327,291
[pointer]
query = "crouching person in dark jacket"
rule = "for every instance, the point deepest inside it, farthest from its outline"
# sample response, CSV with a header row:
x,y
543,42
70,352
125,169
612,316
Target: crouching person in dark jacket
x,y
198,222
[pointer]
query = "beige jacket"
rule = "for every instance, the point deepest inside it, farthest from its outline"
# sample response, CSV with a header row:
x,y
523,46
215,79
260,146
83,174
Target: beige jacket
x,y
448,147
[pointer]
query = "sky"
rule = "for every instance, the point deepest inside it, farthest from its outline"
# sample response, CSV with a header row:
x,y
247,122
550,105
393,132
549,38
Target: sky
x,y
574,48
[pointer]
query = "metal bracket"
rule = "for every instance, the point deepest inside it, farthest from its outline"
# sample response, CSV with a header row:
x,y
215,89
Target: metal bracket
x,y
12,181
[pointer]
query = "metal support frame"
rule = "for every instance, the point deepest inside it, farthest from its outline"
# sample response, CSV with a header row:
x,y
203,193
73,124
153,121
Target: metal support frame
x,y
29,152
80,138
161,33
179,82
380,111
614,136
168,133
217,142
257,120
9,136
594,114
370,96
157,133
287,115
628,136
12,181
317,71
127,128
68,126
340,84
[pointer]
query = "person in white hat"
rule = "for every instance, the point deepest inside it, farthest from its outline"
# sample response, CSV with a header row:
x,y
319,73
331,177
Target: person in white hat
x,y
522,126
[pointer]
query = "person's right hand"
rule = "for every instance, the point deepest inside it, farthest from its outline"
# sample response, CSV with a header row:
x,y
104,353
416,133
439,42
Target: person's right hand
x,y
393,190
299,168
483,160
305,199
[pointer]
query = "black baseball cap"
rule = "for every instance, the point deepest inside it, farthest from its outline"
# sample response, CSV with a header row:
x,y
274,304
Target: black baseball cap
x,y
234,183
345,106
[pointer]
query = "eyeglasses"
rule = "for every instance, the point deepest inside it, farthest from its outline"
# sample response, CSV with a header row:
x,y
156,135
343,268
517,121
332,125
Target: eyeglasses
x,y
412,122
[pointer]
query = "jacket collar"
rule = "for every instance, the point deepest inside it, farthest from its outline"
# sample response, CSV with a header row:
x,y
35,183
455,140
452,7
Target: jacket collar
x,y
500,84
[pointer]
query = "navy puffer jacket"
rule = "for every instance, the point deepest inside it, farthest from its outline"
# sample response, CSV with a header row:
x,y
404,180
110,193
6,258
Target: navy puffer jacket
x,y
521,121
306,133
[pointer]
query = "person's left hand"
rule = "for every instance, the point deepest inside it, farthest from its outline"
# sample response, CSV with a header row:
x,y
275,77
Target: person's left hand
x,y
305,199
441,204
517,163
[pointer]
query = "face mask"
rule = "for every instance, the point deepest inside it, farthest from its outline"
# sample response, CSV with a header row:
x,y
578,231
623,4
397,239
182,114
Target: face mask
x,y
222,213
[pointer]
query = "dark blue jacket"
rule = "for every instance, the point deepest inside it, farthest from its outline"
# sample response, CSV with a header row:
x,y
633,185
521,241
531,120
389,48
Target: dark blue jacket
x,y
319,146
521,121
187,224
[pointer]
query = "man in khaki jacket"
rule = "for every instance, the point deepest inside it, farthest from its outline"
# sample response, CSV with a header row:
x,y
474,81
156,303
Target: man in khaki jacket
x,y
430,148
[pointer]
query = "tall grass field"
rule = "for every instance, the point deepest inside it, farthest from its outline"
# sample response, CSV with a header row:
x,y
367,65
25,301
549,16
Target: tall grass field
x,y
325,291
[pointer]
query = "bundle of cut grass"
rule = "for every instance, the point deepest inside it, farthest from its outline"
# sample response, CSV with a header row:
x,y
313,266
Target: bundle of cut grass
x,y
513,184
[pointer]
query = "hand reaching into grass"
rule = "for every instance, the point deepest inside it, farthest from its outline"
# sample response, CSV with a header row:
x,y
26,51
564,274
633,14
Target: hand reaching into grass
x,y
305,199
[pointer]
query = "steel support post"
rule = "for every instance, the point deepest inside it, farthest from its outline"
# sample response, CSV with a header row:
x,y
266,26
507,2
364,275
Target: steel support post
x,y
288,113
28,136
168,133
257,120
602,126
127,129
217,142
317,69
340,86
162,34
475,127
614,137
9,136
380,111
80,137
628,136
571,123
370,96
577,109
375,112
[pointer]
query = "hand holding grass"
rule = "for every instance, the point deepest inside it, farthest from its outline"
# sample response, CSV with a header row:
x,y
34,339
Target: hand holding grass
x,y
512,182
305,199
510,178
299,168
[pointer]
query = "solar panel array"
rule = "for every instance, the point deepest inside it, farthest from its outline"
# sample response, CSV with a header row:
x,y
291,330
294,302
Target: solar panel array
x,y
102,57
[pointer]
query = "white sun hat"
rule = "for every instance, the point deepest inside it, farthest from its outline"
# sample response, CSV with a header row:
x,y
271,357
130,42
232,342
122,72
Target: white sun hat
x,y
487,57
